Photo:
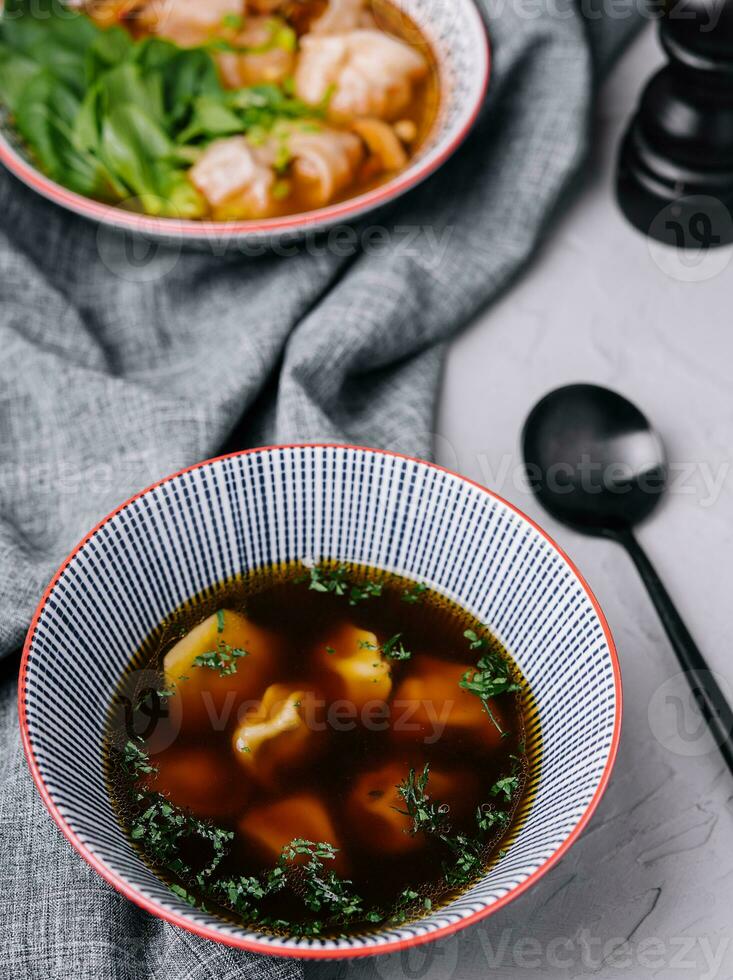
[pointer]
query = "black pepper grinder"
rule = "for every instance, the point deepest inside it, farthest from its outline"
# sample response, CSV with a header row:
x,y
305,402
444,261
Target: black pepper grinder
x,y
675,172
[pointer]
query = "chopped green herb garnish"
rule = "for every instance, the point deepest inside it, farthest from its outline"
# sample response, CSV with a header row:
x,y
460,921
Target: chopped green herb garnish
x,y
159,828
234,22
307,848
281,189
224,658
151,700
336,581
285,38
491,677
505,787
407,896
488,817
281,36
186,896
328,95
162,827
468,854
415,593
401,907
283,158
368,590
476,642
321,889
394,649
427,815
467,860
243,893
332,581
136,760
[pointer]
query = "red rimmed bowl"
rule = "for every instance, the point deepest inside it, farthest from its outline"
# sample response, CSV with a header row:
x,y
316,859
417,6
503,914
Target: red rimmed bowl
x,y
237,513
458,38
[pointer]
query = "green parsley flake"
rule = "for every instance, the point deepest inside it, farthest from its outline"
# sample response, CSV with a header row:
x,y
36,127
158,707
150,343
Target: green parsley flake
x,y
336,582
491,677
224,657
394,649
415,593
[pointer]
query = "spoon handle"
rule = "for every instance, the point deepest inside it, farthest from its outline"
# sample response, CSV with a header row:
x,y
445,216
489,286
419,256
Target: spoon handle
x,y
712,702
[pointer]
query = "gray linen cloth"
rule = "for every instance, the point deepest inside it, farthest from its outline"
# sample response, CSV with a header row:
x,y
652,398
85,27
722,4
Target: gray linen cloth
x,y
118,367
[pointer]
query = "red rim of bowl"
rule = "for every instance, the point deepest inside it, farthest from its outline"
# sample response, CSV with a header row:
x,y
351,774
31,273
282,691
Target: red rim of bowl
x,y
253,945
107,214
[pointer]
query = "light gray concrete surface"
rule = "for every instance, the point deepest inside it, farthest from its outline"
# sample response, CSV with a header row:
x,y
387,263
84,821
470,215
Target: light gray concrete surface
x,y
647,891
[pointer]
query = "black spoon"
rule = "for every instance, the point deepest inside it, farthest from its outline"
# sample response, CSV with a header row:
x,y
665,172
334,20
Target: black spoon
x,y
595,463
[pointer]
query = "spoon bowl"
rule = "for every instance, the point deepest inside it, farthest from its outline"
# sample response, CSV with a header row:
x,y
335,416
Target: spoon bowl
x,y
593,458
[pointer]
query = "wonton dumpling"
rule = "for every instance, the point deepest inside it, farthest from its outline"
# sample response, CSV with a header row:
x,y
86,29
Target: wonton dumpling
x,y
342,15
204,696
239,180
359,672
197,780
270,827
265,62
189,22
276,737
365,72
265,6
324,161
384,145
108,13
435,705
235,180
374,806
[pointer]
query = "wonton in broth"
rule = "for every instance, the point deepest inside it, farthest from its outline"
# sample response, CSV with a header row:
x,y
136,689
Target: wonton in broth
x,y
321,751
224,110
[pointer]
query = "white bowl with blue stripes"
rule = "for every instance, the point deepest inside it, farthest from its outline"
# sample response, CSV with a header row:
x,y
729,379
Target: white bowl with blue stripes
x,y
281,504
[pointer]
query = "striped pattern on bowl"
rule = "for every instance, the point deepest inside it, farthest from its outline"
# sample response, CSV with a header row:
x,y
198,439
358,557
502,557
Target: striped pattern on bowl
x,y
282,504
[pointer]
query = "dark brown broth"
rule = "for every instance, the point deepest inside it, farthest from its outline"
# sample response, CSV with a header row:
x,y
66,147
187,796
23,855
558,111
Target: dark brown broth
x,y
432,626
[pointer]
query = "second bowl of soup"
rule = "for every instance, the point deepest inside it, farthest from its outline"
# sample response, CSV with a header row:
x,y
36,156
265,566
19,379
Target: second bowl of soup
x,y
237,117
